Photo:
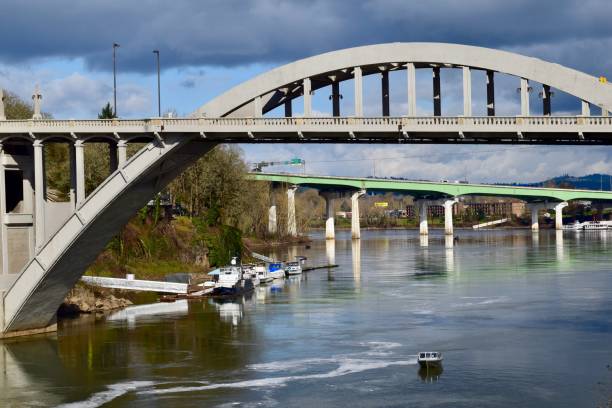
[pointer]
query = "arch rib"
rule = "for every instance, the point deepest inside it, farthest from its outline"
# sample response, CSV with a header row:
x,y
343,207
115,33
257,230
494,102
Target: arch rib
x,y
237,101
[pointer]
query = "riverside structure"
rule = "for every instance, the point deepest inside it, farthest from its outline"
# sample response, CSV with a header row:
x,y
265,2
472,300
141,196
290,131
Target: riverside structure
x,y
45,247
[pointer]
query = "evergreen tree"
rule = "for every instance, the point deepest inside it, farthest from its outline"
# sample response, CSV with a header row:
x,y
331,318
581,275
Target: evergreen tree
x,y
107,112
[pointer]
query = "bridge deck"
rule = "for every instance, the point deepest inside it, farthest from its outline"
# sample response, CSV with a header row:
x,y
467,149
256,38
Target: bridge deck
x,y
436,129
436,189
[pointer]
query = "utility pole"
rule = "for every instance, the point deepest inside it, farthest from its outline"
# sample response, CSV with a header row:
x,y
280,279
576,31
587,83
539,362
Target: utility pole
x,y
156,52
115,46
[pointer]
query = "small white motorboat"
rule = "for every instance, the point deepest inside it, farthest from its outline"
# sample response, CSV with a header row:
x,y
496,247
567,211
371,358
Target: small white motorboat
x,y
293,268
263,274
429,358
276,270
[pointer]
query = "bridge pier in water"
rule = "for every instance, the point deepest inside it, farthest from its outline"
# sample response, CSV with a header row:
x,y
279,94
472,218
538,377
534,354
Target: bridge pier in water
x,y
329,197
355,227
535,208
423,206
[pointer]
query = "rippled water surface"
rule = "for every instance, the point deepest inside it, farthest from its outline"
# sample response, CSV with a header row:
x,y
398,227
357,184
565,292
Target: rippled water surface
x,y
522,320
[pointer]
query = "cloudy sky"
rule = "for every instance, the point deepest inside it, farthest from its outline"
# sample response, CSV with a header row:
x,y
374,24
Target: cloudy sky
x,y
208,46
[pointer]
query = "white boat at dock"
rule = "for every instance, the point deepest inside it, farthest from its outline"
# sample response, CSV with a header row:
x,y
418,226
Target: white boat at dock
x,y
231,281
263,274
293,268
276,270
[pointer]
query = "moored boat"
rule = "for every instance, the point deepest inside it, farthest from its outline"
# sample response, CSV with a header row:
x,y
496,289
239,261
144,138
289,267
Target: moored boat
x,y
276,270
293,268
263,274
231,282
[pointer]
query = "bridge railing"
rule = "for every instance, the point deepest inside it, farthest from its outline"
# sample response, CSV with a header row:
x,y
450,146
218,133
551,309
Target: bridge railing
x,y
488,123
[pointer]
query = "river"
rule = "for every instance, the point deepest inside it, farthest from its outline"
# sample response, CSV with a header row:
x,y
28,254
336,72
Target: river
x,y
521,319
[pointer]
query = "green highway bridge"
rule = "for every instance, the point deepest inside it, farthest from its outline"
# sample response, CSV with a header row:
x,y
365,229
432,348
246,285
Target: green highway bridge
x,y
425,193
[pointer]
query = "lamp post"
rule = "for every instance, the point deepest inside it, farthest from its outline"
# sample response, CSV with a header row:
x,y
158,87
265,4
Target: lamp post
x,y
115,46
156,52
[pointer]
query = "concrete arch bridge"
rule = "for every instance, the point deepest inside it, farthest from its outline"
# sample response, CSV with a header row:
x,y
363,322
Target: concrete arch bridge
x,y
425,193
46,247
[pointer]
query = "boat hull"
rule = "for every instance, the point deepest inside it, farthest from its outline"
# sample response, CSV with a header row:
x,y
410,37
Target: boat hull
x,y
239,288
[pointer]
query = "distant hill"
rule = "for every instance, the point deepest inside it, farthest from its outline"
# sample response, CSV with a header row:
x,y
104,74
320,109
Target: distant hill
x,y
588,182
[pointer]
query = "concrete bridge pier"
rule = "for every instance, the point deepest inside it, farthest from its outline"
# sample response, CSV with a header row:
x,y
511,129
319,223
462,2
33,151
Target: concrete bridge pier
x,y
272,226
534,208
422,205
559,215
329,197
355,227
291,221
448,216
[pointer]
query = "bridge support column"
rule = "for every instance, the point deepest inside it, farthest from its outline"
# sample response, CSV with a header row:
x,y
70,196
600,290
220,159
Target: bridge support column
x,y
121,152
355,227
546,102
39,193
272,215
288,108
411,71
358,74
113,162
467,91
307,97
559,215
448,216
422,206
586,108
524,97
535,209
437,97
291,221
490,93
330,232
385,93
335,97
79,154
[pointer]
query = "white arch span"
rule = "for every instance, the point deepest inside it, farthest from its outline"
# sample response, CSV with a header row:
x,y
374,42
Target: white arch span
x,y
340,65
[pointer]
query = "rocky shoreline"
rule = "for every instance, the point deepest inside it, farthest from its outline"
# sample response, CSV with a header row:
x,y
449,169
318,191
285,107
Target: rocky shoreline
x,y
87,299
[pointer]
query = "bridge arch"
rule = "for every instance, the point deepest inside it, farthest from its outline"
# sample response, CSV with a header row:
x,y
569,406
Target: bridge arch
x,y
283,84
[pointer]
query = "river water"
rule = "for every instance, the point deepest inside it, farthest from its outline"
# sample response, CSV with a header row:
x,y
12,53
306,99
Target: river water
x,y
522,320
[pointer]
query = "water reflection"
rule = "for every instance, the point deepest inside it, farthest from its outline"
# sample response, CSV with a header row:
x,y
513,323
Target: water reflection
x,y
449,241
559,246
230,310
430,374
330,250
28,368
535,239
356,258
424,240
132,313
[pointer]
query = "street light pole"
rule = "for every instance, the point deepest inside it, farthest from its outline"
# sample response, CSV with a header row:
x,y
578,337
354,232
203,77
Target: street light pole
x,y
115,46
156,52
